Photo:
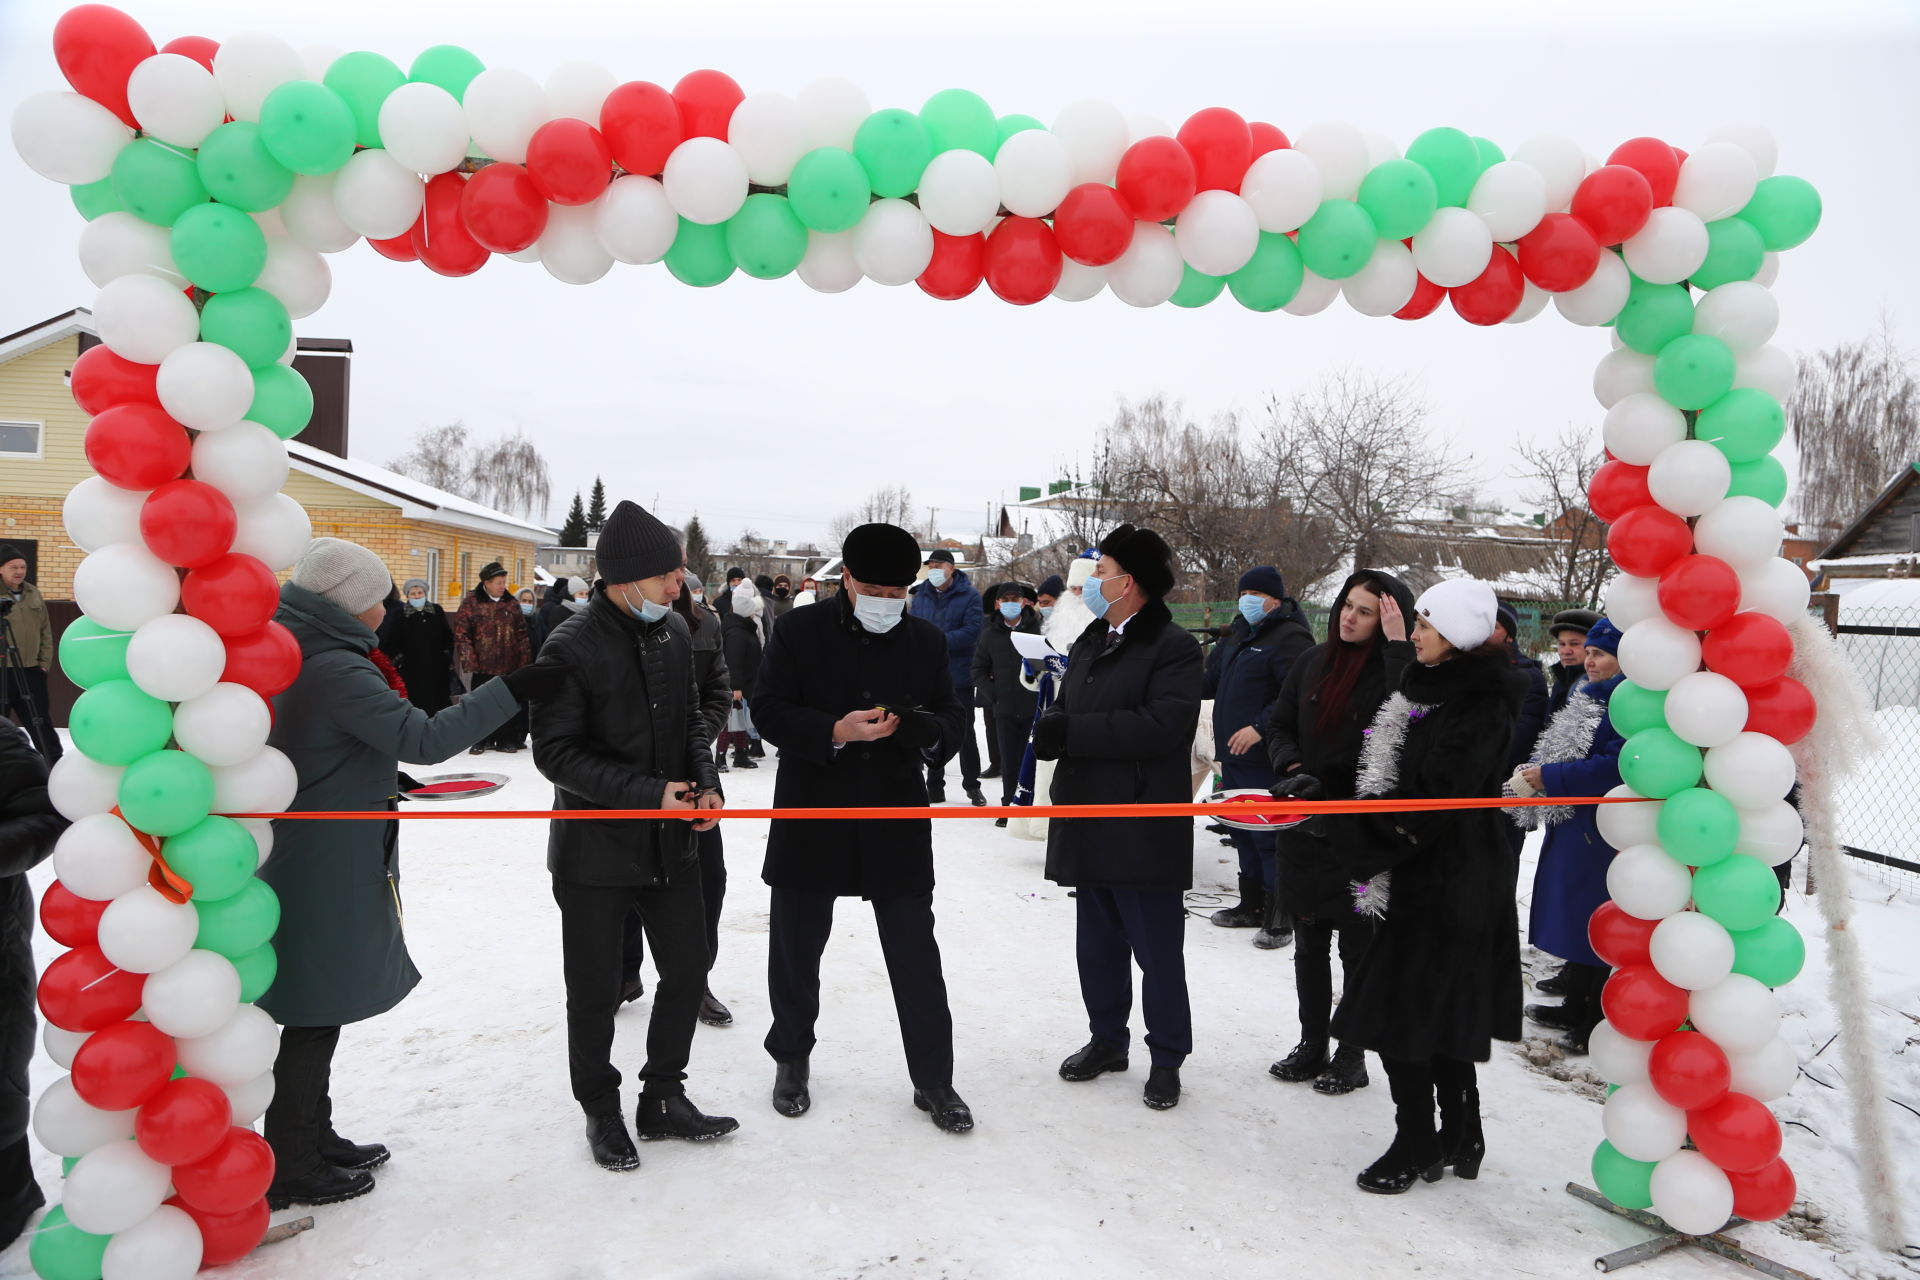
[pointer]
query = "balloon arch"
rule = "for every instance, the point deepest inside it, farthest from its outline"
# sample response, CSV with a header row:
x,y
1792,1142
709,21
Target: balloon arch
x,y
215,177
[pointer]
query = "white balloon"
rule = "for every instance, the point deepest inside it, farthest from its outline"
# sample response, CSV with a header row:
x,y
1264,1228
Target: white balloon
x,y
1743,531
251,65
296,275
1770,369
893,243
1147,274
316,58
376,195
1716,181
99,858
1689,478
1618,1059
1669,248
1624,825
1216,233
1453,248
829,265
1641,1124
226,725
175,99
61,1044
1386,283
311,217
113,1187
194,996
205,386
68,138
142,932
1706,709
250,1100
423,128
1035,172
119,244
238,1051
1284,188
1773,833
503,108
1561,165
124,586
1647,884
1777,588
570,247
274,530
266,783
1147,126
262,832
1769,271
1632,599
97,514
706,181
579,90
1741,314
1755,139
1766,1073
68,1126
1600,300
1316,295
165,1245
176,657
1380,149
1095,135
633,220
1656,654
1642,426
247,462
1690,1192
832,111
769,133
1078,281
1533,300
1511,198
960,192
1752,770
1339,151
82,787
1621,372
144,319
1738,1013
1691,950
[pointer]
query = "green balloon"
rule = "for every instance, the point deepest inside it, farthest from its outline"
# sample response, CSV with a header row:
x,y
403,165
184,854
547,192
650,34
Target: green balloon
x,y
1734,252
363,81
893,148
1489,152
1272,276
1763,478
1337,240
239,924
217,857
1400,198
156,181
89,653
1693,371
258,968
115,722
1453,160
1772,954
1741,893
308,127
765,238
699,254
1745,424
1197,290
1010,125
447,65
238,169
1657,763
1784,210
251,323
62,1251
1654,316
166,793
829,190
1626,1182
1632,708
217,247
958,119
1698,827
95,198
282,400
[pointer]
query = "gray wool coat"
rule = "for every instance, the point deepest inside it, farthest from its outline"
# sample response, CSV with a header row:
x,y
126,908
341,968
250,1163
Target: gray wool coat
x,y
342,952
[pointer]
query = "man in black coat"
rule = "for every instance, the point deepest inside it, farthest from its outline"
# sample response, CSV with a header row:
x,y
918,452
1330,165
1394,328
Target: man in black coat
x,y
1122,730
1569,631
28,828
629,730
997,670
857,697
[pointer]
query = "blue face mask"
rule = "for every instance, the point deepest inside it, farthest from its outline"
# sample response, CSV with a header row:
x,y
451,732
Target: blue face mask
x,y
647,611
1094,593
1010,609
1253,609
938,577
421,603
526,608
1046,611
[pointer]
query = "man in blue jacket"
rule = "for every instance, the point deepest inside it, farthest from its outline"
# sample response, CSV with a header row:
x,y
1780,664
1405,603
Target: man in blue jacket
x,y
949,601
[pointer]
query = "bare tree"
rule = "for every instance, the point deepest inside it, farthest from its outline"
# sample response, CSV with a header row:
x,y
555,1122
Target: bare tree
x,y
508,474
1558,473
892,505
440,456
1855,413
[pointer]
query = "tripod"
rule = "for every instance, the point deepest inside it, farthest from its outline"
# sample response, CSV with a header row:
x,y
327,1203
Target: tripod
x,y
13,675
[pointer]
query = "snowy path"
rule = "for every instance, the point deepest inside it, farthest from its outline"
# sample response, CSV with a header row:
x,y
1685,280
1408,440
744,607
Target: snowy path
x,y
1247,1178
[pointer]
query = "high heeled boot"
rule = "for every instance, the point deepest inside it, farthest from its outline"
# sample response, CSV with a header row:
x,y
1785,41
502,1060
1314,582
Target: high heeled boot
x,y
1462,1143
1415,1152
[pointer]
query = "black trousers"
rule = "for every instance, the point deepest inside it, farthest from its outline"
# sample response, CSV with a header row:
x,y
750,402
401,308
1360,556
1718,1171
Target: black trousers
x,y
713,893
1116,928
300,1116
511,734
801,923
20,1195
1313,940
592,925
994,745
26,697
1415,1085
1011,733
969,754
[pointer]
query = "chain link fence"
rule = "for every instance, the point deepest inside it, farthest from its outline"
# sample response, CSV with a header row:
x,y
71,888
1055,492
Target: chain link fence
x,y
1880,805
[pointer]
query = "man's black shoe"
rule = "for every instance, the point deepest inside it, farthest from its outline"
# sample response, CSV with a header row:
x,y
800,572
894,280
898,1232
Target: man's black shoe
x,y
672,1115
1094,1059
790,1096
612,1146
950,1114
1163,1088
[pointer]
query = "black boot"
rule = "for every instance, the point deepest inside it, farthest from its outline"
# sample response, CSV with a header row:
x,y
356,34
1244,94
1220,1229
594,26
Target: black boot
x,y
976,797
1561,1017
1347,1072
671,1115
1277,931
757,749
1584,983
936,793
1555,985
1462,1143
790,1096
713,1013
999,822
1252,911
314,1181
1163,1088
336,1150
720,764
612,1147
1094,1060
298,1116
950,1114
1415,1150
742,760
631,989
991,771
1308,1059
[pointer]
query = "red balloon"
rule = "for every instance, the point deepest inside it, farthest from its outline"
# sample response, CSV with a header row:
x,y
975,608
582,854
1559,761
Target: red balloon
x,y
1689,1070
1267,137
102,380
97,47
137,446
122,1065
1656,163
1618,938
1781,709
501,209
184,1120
188,523
1093,224
1427,297
70,920
1023,261
1156,177
229,1180
199,48
400,248
440,237
569,161
235,595
1641,1004
266,661
1699,592
1765,1194
1494,294
1617,488
958,264
1559,254
706,100
84,991
1647,539
642,125
1221,145
1737,1133
1614,201
228,1237
1748,649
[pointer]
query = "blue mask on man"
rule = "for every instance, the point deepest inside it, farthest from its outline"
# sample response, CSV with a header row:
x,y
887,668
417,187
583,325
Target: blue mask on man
x,y
1010,609
1094,593
647,611
1253,608
937,577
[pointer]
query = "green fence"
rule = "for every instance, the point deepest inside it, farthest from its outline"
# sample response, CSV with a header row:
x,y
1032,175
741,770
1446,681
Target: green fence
x,y
1534,617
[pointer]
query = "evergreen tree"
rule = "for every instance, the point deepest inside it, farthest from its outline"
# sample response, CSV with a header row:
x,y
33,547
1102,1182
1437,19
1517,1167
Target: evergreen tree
x,y
597,506
574,532
699,555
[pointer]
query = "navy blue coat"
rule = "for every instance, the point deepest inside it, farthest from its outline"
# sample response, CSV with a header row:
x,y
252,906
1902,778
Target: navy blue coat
x,y
1533,712
1570,882
958,612
1244,675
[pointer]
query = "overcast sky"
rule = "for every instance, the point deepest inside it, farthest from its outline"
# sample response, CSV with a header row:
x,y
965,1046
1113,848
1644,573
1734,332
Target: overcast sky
x,y
765,404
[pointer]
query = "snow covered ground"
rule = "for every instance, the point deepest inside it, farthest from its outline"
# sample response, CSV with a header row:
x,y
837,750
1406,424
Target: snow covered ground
x,y
1249,1177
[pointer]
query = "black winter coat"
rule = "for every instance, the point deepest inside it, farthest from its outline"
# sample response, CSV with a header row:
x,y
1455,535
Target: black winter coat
x,y
1246,670
740,639
997,664
1441,977
1131,712
820,665
1313,877
1533,711
28,828
710,674
629,721
553,608
419,643
1563,680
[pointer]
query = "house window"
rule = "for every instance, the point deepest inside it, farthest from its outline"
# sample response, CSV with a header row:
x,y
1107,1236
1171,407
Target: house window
x,y
21,439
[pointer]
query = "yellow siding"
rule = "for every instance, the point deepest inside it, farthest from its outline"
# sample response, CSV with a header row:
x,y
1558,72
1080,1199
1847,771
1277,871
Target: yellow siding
x,y
312,491
33,388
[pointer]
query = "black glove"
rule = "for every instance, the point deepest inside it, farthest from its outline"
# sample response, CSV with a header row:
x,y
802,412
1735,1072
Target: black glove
x,y
1050,736
535,682
1300,786
919,730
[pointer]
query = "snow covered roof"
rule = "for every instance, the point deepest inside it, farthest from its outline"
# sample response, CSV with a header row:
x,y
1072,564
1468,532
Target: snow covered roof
x,y
416,500
1872,601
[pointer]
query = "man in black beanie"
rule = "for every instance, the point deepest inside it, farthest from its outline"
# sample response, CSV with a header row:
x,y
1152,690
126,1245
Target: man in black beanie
x,y
1122,730
627,732
858,698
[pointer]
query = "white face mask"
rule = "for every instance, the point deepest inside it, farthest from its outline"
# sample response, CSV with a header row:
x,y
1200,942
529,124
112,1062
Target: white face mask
x,y
878,614
646,610
938,577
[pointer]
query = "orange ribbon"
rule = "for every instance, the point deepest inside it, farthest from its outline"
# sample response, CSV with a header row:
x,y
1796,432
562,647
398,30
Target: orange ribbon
x,y
164,879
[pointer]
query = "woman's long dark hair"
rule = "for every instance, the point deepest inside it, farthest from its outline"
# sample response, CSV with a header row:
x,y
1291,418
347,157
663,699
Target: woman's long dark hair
x,y
1345,662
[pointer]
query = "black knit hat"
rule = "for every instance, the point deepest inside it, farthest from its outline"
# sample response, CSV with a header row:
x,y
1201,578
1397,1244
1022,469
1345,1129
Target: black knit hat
x,y
1504,614
882,555
9,553
1144,554
1054,587
634,545
1015,587
734,575
493,570
940,554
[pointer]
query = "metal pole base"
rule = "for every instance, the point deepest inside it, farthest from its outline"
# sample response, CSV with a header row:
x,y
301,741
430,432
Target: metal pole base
x,y
1719,1243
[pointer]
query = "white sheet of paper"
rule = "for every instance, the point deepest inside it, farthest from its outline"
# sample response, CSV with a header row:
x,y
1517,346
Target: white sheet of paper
x,y
1031,647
